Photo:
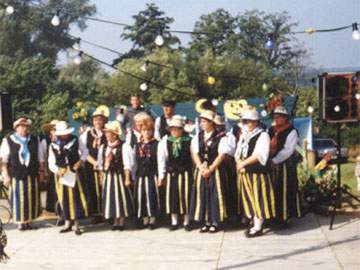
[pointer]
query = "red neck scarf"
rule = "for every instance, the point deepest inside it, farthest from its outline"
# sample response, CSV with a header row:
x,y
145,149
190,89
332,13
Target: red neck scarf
x,y
274,139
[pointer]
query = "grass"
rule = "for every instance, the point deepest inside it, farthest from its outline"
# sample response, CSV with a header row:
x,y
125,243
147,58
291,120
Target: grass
x,y
348,177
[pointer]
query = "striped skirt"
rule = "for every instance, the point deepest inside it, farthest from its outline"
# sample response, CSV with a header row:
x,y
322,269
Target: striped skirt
x,y
208,198
116,197
256,195
287,197
72,200
178,189
93,190
25,199
147,198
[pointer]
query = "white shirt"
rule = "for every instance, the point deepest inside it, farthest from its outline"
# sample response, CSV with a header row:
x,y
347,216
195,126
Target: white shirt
x,y
162,156
288,149
261,150
126,157
222,147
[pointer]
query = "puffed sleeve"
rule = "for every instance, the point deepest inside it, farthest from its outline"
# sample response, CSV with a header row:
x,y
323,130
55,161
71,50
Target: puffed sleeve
x,y
52,161
262,148
162,155
100,160
83,138
83,150
288,149
42,146
194,146
4,151
157,135
227,145
128,156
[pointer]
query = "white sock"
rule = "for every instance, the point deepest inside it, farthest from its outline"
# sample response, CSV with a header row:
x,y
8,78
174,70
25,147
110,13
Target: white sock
x,y
121,221
67,223
146,220
152,220
186,220
174,219
258,224
76,223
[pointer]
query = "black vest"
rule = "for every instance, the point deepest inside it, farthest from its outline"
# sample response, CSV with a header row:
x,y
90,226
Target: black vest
x,y
93,152
181,163
116,164
209,153
163,127
66,156
257,167
282,136
18,170
147,166
236,131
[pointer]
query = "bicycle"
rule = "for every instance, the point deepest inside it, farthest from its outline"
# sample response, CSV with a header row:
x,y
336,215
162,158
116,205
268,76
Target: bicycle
x,y
5,211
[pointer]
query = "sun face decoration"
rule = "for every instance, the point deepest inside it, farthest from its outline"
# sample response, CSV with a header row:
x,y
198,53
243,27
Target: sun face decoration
x,y
234,108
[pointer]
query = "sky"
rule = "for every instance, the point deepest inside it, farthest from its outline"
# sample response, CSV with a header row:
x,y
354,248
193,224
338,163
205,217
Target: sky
x,y
327,50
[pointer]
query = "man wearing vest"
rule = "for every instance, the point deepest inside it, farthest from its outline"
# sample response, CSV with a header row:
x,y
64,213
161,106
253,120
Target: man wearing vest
x,y
284,138
162,122
23,166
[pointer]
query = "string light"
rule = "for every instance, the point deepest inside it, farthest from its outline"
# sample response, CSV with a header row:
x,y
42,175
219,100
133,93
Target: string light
x,y
144,86
9,10
76,45
211,80
214,102
357,96
355,32
263,113
144,66
55,21
310,109
159,40
264,87
270,41
337,108
78,59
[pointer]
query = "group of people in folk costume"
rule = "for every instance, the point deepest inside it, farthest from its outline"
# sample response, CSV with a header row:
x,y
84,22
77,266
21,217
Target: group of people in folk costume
x,y
247,172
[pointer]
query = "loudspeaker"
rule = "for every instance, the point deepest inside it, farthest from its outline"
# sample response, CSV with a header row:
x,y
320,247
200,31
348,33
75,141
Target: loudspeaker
x,y
339,97
6,120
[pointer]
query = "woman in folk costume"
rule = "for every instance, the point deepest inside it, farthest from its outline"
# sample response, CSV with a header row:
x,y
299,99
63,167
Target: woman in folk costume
x,y
208,203
175,170
45,141
146,184
254,184
92,139
284,138
116,197
66,156
22,167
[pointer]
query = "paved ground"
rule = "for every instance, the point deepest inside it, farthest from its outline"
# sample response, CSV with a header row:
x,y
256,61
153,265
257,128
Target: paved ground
x,y
308,244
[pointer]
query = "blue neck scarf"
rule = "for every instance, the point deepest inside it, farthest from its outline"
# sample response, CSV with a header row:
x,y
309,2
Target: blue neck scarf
x,y
24,143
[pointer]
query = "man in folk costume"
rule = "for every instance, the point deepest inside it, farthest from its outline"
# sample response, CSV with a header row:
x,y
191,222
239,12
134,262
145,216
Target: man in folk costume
x,y
162,122
175,170
284,138
66,156
92,139
112,160
254,183
22,167
146,191
208,203
45,141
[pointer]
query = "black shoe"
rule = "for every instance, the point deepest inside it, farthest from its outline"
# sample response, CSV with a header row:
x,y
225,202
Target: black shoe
x,y
249,234
152,226
188,228
120,228
174,227
114,228
60,222
213,229
78,231
22,227
97,220
30,227
205,229
65,230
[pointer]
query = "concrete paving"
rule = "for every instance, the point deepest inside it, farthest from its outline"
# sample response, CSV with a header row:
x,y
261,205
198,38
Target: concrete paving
x,y
307,244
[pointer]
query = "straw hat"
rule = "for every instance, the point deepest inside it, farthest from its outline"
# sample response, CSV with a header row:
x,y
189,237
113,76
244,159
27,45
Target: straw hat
x,y
62,129
280,110
250,113
22,121
219,120
208,115
49,126
101,110
114,127
177,121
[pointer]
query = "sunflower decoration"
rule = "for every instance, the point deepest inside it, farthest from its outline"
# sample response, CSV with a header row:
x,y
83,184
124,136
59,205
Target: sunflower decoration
x,y
274,101
80,113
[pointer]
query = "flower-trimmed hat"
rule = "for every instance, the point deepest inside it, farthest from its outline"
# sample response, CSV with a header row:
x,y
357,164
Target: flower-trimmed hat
x,y
23,120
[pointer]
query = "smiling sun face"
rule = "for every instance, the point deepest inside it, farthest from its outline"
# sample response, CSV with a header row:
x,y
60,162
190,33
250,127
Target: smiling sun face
x,y
234,108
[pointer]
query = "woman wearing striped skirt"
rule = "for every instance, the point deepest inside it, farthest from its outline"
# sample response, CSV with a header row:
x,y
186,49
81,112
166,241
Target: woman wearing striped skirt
x,y
116,197
254,184
208,202
66,157
21,159
147,199
175,169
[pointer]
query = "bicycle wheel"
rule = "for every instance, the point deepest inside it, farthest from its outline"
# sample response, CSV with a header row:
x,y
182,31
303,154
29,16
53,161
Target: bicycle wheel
x,y
5,214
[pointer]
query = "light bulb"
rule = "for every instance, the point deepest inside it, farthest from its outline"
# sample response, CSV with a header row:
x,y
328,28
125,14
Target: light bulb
x,y
269,44
143,86
211,80
77,59
337,108
55,21
310,109
357,96
76,46
159,40
144,67
9,10
264,87
355,32
263,113
214,102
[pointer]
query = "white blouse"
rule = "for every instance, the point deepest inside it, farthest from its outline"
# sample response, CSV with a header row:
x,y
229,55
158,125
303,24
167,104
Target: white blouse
x,y
223,147
127,156
288,149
